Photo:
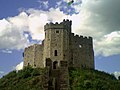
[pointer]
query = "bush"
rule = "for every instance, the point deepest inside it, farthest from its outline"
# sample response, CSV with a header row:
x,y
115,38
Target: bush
x,y
10,75
36,72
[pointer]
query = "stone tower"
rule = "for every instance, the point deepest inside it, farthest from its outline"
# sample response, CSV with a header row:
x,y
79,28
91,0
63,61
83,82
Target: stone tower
x,y
56,43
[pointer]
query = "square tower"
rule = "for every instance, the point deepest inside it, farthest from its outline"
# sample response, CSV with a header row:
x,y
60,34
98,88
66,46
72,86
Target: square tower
x,y
56,43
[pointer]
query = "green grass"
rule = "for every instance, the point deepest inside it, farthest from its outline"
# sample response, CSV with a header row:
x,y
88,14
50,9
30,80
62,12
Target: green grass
x,y
92,80
27,79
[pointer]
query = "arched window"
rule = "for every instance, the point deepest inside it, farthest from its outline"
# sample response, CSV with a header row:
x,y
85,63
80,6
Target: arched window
x,y
55,52
55,64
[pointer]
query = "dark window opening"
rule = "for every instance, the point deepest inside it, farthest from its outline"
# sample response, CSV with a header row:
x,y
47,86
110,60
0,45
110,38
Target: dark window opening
x,y
55,63
55,53
64,55
57,31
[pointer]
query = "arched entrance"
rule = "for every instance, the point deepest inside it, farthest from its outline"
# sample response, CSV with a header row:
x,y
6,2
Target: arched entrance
x,y
55,65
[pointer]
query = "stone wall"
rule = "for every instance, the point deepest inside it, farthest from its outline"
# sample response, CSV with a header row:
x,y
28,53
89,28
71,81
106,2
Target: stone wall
x,y
38,61
33,56
58,77
82,51
29,56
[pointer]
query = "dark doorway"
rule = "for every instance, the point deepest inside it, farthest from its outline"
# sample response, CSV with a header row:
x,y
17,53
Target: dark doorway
x,y
55,64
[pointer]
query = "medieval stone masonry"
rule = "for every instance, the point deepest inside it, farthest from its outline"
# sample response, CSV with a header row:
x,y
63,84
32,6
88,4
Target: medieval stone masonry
x,y
59,50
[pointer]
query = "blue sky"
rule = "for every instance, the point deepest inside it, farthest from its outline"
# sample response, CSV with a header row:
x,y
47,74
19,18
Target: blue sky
x,y
22,22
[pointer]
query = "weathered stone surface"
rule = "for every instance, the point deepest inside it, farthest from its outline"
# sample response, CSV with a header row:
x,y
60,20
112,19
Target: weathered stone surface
x,y
33,56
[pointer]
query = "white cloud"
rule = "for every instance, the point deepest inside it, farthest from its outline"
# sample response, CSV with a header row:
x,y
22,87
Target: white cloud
x,y
117,74
36,25
6,51
19,66
38,18
109,44
102,15
20,21
12,30
101,20
11,35
1,72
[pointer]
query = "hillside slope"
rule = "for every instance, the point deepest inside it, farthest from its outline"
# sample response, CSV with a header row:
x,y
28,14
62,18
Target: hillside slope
x,y
33,79
92,80
27,79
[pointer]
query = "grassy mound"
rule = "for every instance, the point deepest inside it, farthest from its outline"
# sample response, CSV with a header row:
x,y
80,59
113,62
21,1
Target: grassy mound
x,y
79,79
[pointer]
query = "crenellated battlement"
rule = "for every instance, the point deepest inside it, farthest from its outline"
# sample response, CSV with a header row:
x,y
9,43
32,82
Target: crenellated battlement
x,y
82,39
66,24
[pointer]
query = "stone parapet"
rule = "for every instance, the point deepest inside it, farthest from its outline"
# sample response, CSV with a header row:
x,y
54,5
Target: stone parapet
x,y
82,39
66,24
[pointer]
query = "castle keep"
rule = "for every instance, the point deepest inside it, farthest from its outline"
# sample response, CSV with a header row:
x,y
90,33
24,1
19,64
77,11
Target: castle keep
x,y
59,50
60,44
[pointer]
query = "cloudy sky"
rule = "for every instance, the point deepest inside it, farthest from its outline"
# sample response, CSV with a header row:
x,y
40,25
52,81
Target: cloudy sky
x,y
22,24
